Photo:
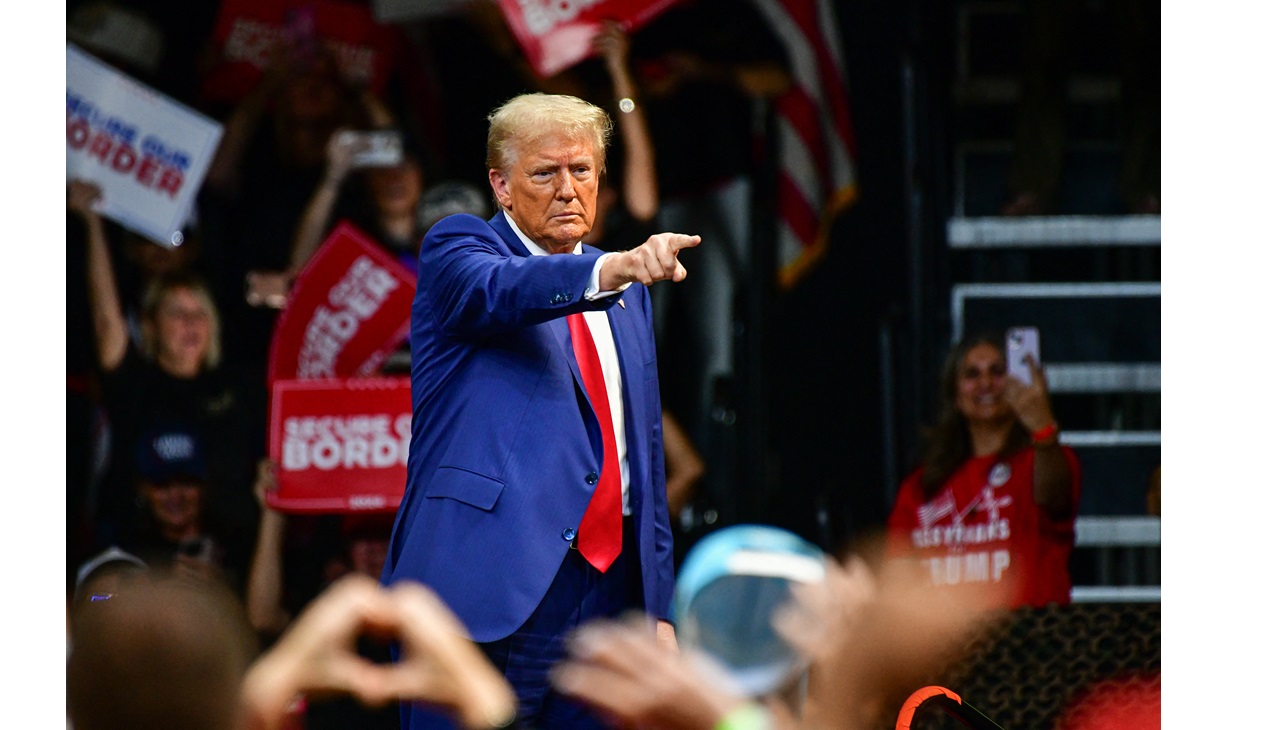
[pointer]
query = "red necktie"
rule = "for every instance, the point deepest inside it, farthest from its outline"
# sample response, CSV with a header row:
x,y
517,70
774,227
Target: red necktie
x,y
600,534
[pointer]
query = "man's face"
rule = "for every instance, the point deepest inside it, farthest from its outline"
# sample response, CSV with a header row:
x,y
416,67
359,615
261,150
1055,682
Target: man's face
x,y
550,190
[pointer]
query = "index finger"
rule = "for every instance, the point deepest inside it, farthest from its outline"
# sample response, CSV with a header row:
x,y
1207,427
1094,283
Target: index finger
x,y
681,241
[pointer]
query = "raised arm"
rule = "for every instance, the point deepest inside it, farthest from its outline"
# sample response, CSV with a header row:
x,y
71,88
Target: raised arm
x,y
109,327
339,152
264,588
224,170
640,178
315,219
1051,474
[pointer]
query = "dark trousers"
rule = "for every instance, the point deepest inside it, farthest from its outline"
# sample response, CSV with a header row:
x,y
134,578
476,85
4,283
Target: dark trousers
x,y
578,594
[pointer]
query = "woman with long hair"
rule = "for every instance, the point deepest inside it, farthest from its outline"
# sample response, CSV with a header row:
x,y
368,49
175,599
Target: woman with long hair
x,y
995,499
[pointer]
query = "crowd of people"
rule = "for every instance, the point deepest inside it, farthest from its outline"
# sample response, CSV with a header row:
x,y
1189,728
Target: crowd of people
x,y
168,477
177,337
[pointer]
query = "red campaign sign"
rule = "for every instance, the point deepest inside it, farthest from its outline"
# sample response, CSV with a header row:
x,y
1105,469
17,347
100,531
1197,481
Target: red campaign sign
x,y
347,311
556,34
340,445
247,31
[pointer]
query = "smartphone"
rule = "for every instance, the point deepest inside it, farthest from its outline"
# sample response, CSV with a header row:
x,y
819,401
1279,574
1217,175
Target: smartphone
x,y
1020,345
378,148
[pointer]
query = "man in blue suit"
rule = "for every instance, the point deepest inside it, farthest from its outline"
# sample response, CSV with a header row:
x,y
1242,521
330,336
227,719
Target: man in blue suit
x,y
536,496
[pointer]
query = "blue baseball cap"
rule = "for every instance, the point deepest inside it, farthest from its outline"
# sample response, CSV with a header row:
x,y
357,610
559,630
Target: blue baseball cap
x,y
171,452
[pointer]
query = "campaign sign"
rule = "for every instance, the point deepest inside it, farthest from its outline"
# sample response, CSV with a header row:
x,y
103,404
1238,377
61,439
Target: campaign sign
x,y
347,312
248,32
556,34
340,445
147,152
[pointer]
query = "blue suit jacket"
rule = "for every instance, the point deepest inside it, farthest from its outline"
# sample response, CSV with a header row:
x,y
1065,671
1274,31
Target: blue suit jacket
x,y
505,445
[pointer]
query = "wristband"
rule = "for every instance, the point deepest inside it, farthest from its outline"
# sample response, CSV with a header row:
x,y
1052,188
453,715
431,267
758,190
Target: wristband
x,y
1045,435
746,716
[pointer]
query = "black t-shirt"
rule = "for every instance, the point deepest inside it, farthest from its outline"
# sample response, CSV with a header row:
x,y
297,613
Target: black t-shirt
x,y
139,395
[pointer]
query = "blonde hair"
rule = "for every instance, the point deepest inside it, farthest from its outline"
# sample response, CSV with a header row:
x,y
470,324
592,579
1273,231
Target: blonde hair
x,y
526,117
161,287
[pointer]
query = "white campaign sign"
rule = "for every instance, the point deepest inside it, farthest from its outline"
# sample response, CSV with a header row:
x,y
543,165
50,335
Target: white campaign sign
x,y
147,152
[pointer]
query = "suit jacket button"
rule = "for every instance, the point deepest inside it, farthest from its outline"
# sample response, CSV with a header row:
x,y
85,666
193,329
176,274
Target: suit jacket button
x,y
569,533
592,478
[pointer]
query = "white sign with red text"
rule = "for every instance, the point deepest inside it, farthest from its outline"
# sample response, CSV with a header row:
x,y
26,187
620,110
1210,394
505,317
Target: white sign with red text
x,y
147,152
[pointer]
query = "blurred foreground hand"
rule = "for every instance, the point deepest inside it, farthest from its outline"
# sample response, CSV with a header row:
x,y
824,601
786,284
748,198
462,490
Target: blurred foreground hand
x,y
620,669
873,636
439,664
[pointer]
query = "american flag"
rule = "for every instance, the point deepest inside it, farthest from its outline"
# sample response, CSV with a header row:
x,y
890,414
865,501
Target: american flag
x,y
817,177
941,507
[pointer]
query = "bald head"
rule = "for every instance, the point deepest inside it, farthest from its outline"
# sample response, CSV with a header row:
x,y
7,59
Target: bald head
x,y
166,653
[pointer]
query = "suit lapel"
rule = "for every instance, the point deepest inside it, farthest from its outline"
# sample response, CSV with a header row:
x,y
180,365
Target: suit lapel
x,y
559,328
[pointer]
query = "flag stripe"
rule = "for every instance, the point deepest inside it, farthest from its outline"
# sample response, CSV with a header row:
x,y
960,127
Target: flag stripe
x,y
799,216
801,146
813,62
816,174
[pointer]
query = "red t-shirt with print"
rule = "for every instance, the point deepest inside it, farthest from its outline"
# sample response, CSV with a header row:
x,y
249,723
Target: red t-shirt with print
x,y
984,526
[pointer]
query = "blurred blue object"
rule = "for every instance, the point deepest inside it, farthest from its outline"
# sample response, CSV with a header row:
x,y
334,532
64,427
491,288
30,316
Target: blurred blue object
x,y
730,585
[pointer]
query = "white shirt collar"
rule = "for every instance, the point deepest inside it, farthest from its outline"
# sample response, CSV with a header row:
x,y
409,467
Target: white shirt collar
x,y
534,248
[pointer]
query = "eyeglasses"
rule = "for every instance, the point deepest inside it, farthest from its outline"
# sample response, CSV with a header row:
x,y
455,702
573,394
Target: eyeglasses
x,y
183,313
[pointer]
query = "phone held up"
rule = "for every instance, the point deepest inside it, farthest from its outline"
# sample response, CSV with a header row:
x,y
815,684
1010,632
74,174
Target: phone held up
x,y
1021,351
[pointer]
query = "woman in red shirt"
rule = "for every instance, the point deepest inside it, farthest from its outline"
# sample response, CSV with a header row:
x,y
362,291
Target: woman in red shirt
x,y
995,501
